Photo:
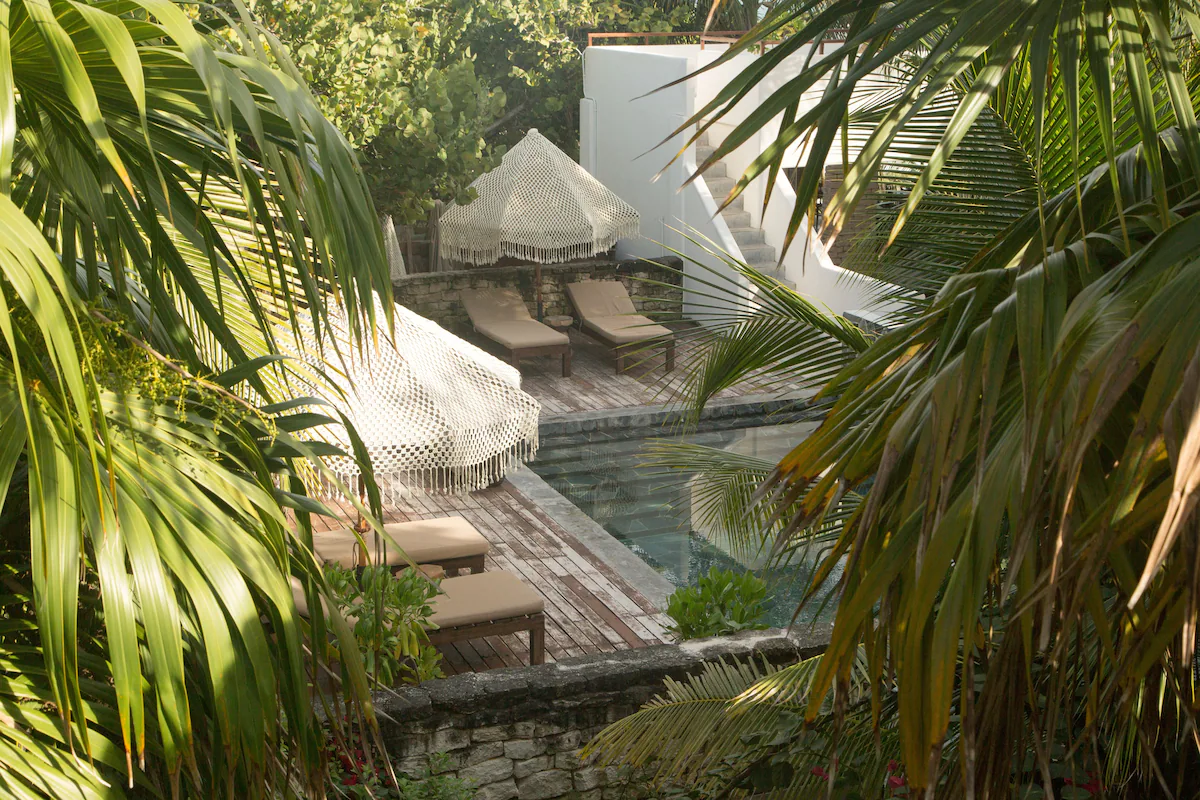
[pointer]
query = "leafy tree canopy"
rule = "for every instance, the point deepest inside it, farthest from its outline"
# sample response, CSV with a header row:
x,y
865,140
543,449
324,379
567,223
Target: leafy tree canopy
x,y
431,93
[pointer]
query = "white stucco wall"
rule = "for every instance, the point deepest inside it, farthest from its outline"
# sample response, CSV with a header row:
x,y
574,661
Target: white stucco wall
x,y
623,133
625,118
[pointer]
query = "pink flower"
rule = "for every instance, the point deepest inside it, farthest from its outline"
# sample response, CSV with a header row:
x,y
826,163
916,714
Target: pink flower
x,y
350,780
896,782
893,765
820,773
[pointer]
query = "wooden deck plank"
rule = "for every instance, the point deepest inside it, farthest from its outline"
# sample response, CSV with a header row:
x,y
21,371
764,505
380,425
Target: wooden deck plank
x,y
594,384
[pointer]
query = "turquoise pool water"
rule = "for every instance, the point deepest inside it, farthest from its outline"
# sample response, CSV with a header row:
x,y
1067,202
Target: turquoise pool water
x,y
605,475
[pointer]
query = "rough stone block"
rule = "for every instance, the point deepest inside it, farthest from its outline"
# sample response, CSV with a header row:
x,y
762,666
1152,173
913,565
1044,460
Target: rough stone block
x,y
588,778
491,733
413,766
544,785
486,772
522,729
484,752
543,728
504,790
523,769
450,739
414,745
570,740
568,760
522,749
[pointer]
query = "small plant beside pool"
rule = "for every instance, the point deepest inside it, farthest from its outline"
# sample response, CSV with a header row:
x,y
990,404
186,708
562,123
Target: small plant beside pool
x,y
721,602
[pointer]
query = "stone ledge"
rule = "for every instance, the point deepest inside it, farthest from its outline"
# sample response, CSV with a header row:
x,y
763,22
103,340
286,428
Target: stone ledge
x,y
785,408
655,286
516,732
472,693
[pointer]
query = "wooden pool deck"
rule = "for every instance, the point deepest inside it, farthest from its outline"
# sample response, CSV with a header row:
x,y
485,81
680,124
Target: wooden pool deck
x,y
589,608
595,386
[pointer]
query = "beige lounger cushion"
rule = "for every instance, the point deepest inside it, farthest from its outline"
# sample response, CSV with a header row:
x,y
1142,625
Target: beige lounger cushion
x,y
624,330
600,299
520,335
501,315
423,540
607,311
486,597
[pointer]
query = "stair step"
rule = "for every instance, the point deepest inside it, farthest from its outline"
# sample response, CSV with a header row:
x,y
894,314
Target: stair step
x,y
703,151
736,217
720,187
759,253
768,268
717,170
748,236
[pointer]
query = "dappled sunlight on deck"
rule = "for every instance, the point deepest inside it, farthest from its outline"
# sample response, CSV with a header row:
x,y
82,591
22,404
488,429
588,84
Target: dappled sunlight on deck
x,y
589,608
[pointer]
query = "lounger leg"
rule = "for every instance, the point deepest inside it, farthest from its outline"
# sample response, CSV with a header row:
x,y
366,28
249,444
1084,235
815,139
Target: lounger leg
x,y
620,361
670,355
516,361
537,641
566,363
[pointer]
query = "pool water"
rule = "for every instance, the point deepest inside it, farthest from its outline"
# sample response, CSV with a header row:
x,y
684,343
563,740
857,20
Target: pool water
x,y
605,474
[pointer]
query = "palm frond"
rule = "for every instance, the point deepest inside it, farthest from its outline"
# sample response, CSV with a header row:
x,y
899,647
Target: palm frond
x,y
695,734
170,208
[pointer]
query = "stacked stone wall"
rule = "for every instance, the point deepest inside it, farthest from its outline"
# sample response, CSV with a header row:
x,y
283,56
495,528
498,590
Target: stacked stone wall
x,y
656,289
516,733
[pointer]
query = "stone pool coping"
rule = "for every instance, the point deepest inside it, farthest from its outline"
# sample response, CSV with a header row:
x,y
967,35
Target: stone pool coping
x,y
671,414
591,534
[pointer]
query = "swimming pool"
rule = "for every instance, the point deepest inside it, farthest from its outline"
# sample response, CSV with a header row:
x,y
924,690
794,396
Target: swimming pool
x,y
605,475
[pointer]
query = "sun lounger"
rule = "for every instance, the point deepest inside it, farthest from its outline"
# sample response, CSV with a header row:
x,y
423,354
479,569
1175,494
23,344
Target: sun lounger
x,y
501,315
450,542
474,606
490,604
607,313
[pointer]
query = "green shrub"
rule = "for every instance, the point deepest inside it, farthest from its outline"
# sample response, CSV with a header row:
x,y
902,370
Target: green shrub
x,y
389,614
721,602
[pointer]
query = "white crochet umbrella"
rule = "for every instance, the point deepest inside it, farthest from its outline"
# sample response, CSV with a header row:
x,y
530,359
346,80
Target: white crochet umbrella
x,y
436,413
538,205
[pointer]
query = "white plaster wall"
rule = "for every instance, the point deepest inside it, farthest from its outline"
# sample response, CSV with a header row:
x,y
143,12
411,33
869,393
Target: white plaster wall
x,y
808,265
623,135
625,118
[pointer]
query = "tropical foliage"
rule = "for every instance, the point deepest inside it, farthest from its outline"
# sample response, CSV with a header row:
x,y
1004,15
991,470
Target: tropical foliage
x,y
720,602
1019,574
168,205
389,614
432,93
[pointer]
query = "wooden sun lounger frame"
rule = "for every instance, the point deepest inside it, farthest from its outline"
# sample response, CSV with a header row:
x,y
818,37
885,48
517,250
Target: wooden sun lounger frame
x,y
452,565
515,354
534,623
668,347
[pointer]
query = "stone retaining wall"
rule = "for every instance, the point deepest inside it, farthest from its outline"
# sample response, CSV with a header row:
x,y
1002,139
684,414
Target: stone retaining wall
x,y
434,295
516,732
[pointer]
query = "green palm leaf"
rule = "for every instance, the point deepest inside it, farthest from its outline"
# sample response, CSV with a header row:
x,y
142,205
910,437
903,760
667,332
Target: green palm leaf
x,y
170,208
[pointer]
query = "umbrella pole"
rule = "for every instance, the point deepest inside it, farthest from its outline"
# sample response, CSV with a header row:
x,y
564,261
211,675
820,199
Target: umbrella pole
x,y
537,284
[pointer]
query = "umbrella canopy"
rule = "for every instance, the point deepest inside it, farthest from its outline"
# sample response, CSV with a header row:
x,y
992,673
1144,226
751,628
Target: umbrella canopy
x,y
538,205
436,413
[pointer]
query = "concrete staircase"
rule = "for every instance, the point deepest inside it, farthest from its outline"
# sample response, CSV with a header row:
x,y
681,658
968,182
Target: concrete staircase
x,y
751,240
